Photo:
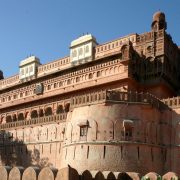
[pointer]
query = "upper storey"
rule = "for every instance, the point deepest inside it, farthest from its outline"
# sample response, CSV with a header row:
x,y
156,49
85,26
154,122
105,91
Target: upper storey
x,y
150,56
82,50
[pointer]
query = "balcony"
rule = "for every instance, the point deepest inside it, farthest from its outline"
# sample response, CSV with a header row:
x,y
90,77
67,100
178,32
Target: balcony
x,y
36,121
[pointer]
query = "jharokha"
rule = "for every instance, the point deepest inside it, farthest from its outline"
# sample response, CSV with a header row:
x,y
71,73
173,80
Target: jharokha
x,y
105,107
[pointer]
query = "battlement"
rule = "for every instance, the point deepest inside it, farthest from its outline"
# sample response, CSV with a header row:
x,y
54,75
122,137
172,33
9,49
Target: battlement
x,y
69,173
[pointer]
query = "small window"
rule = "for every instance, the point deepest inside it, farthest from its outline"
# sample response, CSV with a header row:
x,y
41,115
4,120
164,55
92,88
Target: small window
x,y
9,98
15,96
55,85
49,87
128,130
83,131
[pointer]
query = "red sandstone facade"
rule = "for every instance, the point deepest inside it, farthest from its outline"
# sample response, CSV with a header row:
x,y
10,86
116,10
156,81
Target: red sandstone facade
x,y
108,107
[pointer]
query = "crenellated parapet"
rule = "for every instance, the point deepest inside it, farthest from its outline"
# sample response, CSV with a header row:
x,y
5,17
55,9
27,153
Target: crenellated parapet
x,y
69,173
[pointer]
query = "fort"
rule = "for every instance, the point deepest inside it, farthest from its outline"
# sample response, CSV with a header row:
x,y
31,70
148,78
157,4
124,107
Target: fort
x,y
106,111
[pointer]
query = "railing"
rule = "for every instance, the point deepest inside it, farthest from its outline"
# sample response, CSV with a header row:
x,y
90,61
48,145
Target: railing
x,y
52,66
105,96
89,98
113,46
172,102
9,81
134,97
35,121
149,36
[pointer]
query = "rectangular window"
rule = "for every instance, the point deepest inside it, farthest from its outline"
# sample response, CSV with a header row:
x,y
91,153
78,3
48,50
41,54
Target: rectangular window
x,y
83,131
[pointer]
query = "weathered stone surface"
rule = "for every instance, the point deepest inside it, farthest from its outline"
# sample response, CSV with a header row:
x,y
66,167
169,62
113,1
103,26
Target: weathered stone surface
x,y
47,174
4,172
16,173
31,173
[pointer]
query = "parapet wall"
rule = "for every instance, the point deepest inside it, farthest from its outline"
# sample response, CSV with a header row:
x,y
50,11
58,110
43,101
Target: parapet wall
x,y
68,173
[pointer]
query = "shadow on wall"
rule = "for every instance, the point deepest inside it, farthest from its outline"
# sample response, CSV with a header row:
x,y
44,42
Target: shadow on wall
x,y
14,152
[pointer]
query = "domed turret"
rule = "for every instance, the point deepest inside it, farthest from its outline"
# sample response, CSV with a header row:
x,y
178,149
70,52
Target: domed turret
x,y
159,21
1,75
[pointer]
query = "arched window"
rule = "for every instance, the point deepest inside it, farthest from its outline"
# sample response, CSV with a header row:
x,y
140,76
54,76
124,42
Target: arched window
x,y
59,109
20,117
8,119
14,118
98,73
49,87
77,79
9,98
67,106
90,76
60,84
127,130
34,114
68,81
41,113
124,51
48,111
55,85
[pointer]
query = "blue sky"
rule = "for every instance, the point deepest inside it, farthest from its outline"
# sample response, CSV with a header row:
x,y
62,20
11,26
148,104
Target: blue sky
x,y
45,28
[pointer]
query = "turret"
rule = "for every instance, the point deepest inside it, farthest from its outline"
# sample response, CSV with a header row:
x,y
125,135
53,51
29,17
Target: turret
x,y
1,75
159,21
